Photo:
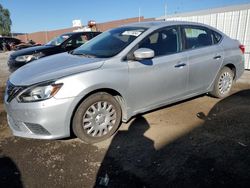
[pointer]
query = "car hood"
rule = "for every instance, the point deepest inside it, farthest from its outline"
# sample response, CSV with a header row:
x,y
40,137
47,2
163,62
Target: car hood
x,y
31,50
53,67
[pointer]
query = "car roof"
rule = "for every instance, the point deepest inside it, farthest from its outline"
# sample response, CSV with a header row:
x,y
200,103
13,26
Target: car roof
x,y
159,24
6,38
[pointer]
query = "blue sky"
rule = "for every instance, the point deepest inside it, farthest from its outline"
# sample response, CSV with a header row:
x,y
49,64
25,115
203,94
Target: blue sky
x,y
33,15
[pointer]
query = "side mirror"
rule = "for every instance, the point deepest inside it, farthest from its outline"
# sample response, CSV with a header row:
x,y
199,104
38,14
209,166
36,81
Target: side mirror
x,y
144,53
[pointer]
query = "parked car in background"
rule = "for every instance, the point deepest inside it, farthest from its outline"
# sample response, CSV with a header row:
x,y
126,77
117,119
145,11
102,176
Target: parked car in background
x,y
62,43
28,44
6,43
120,73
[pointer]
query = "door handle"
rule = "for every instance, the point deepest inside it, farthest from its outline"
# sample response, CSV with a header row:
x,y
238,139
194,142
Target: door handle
x,y
179,65
217,57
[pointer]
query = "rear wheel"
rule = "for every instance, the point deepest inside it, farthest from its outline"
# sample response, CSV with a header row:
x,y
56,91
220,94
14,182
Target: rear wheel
x,y
97,118
223,83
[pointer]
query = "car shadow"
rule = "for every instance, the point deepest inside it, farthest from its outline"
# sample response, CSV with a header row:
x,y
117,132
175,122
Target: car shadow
x,y
215,154
129,153
10,175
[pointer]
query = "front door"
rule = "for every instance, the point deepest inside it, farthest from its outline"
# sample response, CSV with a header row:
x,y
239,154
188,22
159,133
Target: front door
x,y
154,81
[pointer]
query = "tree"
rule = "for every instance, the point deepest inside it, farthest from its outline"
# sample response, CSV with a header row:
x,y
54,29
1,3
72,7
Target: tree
x,y
5,21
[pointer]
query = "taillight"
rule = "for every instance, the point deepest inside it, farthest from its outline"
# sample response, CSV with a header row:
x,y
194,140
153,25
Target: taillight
x,y
242,48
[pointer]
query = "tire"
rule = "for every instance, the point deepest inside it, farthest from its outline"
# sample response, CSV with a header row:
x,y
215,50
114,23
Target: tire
x,y
97,118
223,83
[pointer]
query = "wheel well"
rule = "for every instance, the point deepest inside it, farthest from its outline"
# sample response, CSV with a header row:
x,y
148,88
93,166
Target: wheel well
x,y
112,92
233,68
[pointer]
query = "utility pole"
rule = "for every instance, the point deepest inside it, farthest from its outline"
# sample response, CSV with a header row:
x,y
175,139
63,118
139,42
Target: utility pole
x,y
46,35
139,14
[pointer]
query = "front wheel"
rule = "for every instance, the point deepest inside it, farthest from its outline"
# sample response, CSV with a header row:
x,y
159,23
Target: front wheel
x,y
97,118
223,83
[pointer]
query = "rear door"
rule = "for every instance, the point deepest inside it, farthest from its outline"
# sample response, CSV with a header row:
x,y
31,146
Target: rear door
x,y
204,57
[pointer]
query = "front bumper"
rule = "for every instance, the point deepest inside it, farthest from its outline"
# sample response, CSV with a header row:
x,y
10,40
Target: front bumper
x,y
49,119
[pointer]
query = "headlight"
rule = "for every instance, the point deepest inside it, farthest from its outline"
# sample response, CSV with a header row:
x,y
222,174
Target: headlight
x,y
39,92
28,58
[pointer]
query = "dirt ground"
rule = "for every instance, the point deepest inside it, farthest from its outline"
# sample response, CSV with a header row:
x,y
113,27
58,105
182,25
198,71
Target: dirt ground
x,y
201,142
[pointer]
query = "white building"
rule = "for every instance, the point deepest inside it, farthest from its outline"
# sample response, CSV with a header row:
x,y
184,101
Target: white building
x,y
76,23
232,20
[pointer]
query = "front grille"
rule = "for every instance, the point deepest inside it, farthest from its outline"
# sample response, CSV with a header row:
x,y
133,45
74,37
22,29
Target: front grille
x,y
37,129
11,61
9,88
11,57
12,90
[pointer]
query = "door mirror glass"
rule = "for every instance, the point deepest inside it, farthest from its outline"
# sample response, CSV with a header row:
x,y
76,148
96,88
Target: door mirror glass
x,y
144,53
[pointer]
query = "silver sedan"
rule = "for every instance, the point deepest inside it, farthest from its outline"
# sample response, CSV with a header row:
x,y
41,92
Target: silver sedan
x,y
121,73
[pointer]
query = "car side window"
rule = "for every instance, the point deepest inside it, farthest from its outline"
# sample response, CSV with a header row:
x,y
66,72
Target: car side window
x,y
217,37
75,41
82,39
197,37
163,42
95,34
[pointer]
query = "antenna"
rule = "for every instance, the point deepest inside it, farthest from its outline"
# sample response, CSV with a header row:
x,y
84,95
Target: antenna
x,y
165,11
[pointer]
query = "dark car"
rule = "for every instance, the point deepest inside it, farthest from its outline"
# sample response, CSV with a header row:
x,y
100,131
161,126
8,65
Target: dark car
x,y
7,42
62,43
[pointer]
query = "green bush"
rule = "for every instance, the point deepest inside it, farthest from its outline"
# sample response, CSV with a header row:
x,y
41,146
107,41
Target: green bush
x,y
5,21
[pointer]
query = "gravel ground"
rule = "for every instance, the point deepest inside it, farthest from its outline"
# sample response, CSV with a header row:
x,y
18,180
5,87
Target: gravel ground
x,y
201,142
4,72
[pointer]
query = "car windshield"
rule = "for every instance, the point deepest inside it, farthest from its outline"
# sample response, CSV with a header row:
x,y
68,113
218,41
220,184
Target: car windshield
x,y
109,43
58,40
